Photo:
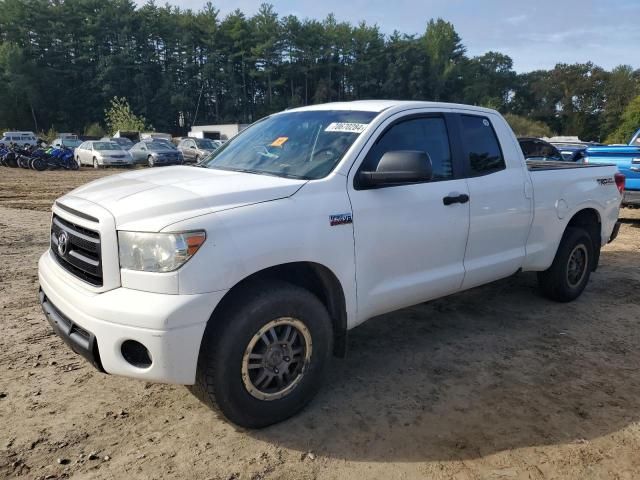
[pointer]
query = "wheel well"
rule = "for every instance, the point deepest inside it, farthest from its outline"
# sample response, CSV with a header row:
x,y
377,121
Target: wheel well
x,y
589,220
311,276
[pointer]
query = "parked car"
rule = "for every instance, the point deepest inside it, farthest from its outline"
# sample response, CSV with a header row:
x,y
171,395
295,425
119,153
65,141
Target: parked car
x,y
102,154
156,152
243,276
22,139
627,159
573,151
124,142
68,142
195,149
537,149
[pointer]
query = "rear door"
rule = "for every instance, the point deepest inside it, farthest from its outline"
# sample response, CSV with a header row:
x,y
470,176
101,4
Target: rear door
x,y
500,203
409,242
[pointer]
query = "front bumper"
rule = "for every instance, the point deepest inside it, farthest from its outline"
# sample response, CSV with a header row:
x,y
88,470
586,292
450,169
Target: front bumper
x,y
95,325
77,338
169,161
631,198
117,162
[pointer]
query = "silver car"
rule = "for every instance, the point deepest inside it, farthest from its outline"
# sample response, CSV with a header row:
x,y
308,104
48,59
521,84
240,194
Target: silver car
x,y
102,154
156,152
195,149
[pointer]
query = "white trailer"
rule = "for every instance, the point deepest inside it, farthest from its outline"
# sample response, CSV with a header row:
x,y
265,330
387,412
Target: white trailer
x,y
217,132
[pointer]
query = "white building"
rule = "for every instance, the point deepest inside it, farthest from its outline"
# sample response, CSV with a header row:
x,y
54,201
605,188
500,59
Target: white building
x,y
217,132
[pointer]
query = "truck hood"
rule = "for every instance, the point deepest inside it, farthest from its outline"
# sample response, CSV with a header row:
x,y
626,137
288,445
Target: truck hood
x,y
151,199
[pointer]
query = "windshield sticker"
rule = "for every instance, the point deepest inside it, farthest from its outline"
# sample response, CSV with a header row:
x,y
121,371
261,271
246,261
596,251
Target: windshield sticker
x,y
278,142
346,127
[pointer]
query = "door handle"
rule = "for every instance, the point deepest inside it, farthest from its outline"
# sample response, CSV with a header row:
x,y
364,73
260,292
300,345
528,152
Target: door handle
x,y
451,199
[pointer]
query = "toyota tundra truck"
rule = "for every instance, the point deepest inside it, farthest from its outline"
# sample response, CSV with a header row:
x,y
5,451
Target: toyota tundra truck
x,y
242,276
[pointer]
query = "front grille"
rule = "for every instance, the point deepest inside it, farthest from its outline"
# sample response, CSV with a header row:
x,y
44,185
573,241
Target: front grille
x,y
82,255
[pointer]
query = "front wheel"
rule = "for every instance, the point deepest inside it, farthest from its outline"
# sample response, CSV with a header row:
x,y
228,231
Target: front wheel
x,y
263,358
96,165
569,273
151,161
39,164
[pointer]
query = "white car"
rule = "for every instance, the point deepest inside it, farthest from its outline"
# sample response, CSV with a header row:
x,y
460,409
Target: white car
x,y
244,276
102,154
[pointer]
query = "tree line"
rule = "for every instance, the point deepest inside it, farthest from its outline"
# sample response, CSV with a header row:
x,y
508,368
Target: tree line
x,y
63,61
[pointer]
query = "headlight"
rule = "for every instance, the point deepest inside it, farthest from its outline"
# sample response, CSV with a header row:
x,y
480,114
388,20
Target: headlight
x,y
158,252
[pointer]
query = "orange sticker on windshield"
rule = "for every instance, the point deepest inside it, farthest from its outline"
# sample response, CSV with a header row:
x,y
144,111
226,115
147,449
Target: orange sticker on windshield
x,y
278,142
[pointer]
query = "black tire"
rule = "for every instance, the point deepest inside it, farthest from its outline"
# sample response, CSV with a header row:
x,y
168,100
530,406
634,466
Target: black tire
x,y
39,164
96,165
220,381
561,282
150,161
78,161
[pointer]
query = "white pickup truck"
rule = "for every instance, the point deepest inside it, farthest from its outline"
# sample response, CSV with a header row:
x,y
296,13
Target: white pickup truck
x,y
243,276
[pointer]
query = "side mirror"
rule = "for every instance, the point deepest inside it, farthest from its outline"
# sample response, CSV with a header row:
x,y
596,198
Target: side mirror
x,y
193,146
398,168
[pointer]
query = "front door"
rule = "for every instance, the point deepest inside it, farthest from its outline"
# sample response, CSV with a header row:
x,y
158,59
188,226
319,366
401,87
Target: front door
x,y
409,244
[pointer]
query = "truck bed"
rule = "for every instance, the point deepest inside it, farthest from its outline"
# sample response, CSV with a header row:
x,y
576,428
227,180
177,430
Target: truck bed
x,y
537,165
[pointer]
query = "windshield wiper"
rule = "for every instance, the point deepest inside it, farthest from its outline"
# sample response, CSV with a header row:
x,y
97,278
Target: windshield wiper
x,y
261,172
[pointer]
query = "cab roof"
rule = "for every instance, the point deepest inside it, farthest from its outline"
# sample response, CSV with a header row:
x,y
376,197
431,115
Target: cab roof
x,y
381,105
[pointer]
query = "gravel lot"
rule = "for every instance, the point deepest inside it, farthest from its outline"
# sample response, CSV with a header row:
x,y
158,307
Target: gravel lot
x,y
495,382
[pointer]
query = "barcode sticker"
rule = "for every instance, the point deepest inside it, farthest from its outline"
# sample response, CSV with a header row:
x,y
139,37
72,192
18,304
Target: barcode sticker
x,y
346,127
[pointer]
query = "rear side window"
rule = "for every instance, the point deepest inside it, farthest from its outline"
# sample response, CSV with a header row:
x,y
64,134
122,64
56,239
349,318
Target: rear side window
x,y
528,148
428,134
549,151
481,144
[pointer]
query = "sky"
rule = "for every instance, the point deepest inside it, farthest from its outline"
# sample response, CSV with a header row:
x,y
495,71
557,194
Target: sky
x,y
535,34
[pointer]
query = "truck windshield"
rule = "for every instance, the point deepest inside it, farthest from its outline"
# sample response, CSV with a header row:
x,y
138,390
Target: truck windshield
x,y
305,145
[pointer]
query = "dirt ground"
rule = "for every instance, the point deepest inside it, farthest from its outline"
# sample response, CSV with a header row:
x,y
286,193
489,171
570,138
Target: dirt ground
x,y
495,382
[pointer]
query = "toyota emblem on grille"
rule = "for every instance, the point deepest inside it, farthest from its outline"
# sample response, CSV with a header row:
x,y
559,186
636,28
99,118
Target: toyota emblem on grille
x,y
63,243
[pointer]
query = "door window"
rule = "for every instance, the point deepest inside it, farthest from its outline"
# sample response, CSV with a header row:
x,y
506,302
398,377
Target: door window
x,y
482,147
426,134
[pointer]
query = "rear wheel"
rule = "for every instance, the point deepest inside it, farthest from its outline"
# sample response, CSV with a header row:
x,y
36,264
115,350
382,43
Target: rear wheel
x,y
263,358
569,273
39,164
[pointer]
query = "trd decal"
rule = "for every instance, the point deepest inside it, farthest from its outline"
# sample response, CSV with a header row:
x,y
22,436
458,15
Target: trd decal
x,y
340,219
605,181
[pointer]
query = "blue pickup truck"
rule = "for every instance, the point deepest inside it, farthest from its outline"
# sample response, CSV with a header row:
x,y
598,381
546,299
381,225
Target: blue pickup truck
x,y
627,158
